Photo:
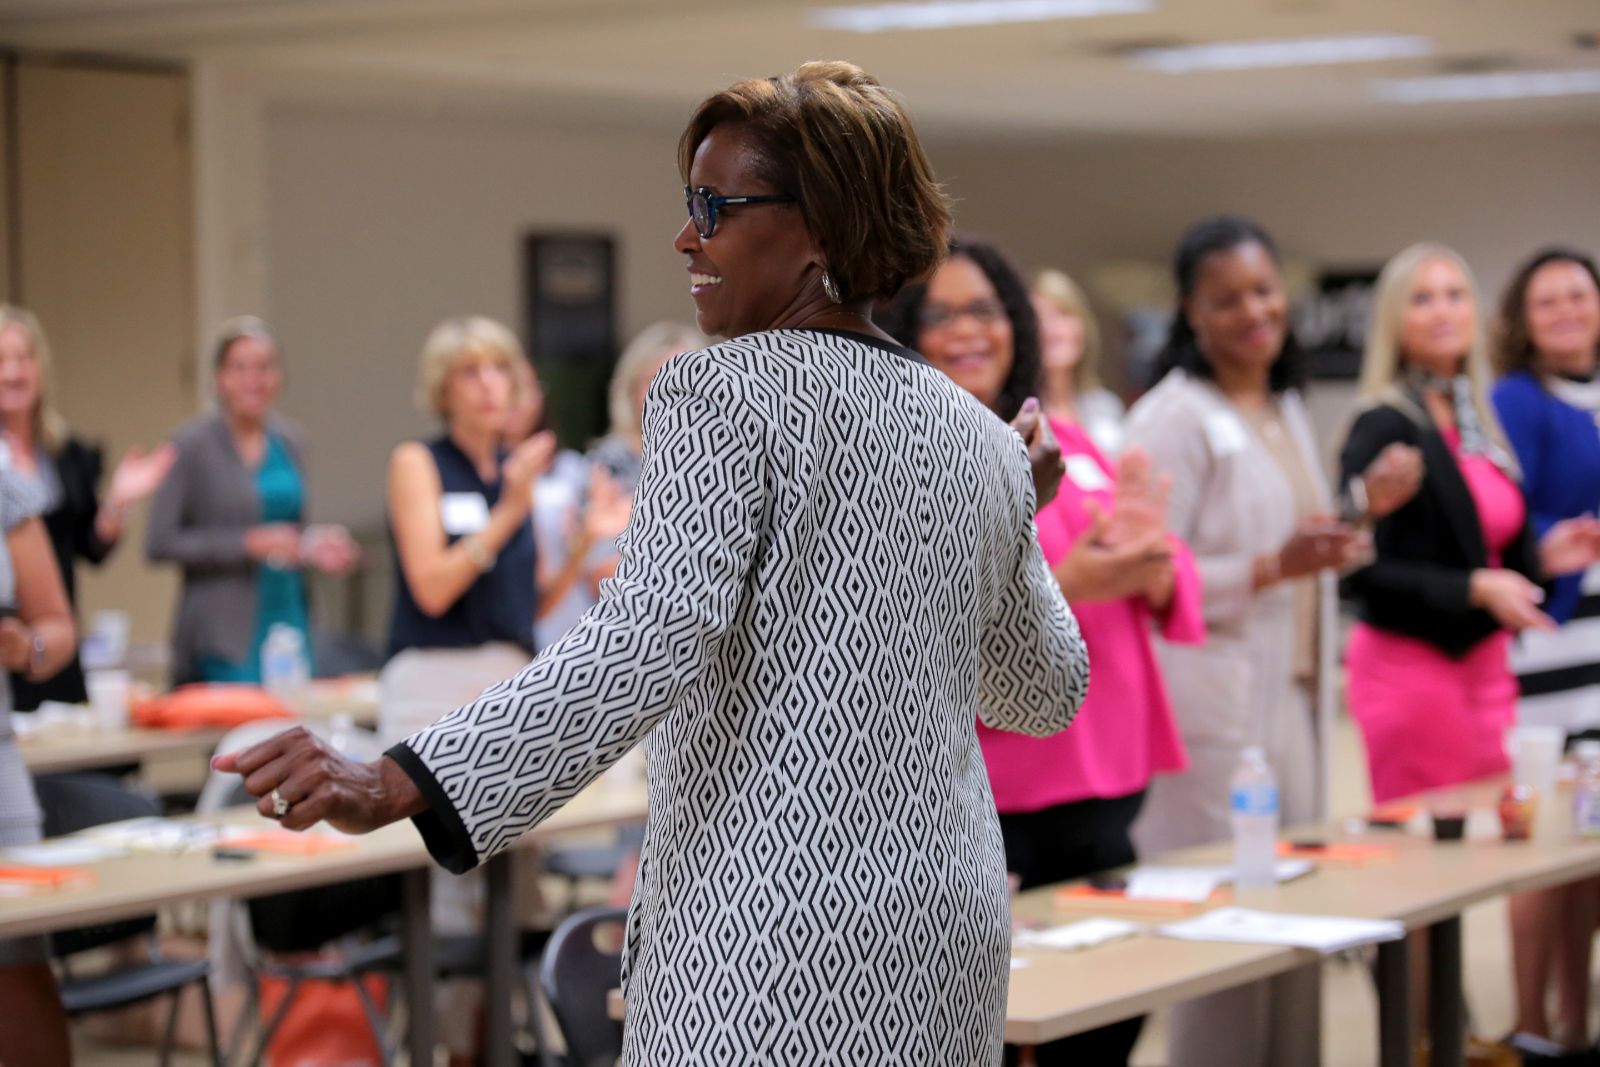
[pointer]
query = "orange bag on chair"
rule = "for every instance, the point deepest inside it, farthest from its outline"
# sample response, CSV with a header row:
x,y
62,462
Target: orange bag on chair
x,y
325,1025
213,704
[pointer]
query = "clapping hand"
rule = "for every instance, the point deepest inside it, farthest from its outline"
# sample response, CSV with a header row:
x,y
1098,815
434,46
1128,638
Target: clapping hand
x,y
1139,509
140,473
1570,546
1392,479
1044,451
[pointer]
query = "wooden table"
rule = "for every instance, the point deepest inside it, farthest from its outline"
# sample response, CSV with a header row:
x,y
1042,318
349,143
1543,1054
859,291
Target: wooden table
x,y
137,884
59,749
1426,886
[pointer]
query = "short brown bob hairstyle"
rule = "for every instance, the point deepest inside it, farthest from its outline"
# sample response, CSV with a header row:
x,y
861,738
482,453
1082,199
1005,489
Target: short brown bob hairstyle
x,y
841,143
1513,345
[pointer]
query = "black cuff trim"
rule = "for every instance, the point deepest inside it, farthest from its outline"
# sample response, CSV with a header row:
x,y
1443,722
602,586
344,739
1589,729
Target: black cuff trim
x,y
440,826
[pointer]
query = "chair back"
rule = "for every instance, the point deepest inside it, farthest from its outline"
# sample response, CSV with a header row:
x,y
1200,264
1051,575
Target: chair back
x,y
582,964
73,802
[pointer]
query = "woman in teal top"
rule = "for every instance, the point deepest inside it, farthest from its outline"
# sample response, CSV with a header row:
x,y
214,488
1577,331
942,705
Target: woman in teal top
x,y
231,514
280,591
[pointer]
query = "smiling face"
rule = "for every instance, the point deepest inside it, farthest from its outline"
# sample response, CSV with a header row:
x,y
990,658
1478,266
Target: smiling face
x,y
249,377
760,262
1563,311
1238,309
19,372
1440,322
964,330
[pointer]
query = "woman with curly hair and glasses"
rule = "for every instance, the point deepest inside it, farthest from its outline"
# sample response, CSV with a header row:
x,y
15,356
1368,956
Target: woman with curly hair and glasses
x,y
1067,803
830,573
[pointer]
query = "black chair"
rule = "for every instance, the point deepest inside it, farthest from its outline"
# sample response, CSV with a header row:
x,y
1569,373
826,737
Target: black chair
x,y
73,802
305,920
577,975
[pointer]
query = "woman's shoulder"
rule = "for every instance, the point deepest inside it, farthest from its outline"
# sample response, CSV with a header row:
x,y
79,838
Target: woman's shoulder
x,y
1177,399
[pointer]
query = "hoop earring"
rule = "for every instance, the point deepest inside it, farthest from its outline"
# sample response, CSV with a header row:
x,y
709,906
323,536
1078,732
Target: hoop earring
x,y
830,287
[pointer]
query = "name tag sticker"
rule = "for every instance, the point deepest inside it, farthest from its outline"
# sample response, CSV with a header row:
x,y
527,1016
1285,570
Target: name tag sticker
x,y
1225,433
1086,473
463,513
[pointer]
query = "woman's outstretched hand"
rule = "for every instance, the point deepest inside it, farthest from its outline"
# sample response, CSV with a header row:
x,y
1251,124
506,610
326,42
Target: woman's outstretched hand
x,y
300,781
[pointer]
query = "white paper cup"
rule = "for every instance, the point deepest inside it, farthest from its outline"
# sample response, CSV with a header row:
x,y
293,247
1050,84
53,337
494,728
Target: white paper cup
x,y
1536,756
110,692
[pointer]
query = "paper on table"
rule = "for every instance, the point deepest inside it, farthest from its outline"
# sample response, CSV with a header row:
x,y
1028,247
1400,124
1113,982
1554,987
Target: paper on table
x,y
1072,937
1324,934
1196,884
1175,883
62,853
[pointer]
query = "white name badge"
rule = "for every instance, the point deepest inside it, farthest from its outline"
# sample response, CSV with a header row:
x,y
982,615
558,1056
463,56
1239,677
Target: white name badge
x,y
464,513
1086,474
1225,433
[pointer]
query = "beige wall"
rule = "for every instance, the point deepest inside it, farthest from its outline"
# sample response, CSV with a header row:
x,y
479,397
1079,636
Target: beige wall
x,y
104,233
378,221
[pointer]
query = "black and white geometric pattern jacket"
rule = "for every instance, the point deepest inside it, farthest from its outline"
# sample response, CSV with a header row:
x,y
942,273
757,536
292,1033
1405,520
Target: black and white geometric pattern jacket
x,y
830,574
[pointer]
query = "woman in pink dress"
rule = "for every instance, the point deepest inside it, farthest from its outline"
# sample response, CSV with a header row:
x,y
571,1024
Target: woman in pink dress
x,y
1456,570
1067,802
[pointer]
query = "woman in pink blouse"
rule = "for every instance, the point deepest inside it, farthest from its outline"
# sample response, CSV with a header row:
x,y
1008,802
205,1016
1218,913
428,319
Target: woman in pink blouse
x,y
1067,802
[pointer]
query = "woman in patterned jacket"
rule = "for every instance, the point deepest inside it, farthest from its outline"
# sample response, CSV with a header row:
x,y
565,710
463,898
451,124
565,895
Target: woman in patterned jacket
x,y
830,575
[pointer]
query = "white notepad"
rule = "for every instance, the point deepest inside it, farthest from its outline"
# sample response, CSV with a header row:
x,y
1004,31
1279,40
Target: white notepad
x,y
1073,937
1322,933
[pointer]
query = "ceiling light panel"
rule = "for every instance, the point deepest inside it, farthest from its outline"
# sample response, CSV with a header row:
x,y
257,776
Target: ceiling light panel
x,y
950,14
1283,52
1506,85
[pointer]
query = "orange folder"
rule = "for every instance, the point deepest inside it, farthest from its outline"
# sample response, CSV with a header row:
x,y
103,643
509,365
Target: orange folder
x,y
1339,853
1081,896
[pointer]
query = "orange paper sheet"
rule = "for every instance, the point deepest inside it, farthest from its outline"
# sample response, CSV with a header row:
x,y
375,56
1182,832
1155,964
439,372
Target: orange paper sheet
x,y
287,843
29,879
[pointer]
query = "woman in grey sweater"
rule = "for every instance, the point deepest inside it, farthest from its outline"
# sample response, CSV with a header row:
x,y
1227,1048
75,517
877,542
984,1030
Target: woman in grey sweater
x,y
231,514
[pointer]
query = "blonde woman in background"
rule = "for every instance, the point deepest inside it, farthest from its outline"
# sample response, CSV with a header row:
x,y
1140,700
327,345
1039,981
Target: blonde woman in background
x,y
1069,350
1457,570
619,452
465,572
81,524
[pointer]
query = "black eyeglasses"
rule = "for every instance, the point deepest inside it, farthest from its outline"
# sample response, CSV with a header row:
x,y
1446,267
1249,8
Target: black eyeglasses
x,y
938,316
704,205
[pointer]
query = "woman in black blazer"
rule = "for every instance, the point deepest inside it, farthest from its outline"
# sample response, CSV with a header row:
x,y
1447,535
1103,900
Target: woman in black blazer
x,y
1457,569
37,444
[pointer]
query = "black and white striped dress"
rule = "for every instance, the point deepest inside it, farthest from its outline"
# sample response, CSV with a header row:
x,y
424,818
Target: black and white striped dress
x,y
831,572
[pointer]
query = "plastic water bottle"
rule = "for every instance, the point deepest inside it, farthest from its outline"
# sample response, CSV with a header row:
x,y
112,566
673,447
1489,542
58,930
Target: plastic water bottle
x,y
341,728
284,667
1255,821
1586,792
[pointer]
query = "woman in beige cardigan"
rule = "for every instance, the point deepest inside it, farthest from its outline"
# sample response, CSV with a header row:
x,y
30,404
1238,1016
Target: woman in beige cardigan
x,y
1250,498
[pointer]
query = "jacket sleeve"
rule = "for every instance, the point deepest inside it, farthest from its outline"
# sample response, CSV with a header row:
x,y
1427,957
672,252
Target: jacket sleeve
x,y
1183,621
1033,670
1177,446
1406,585
172,537
495,768
81,466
